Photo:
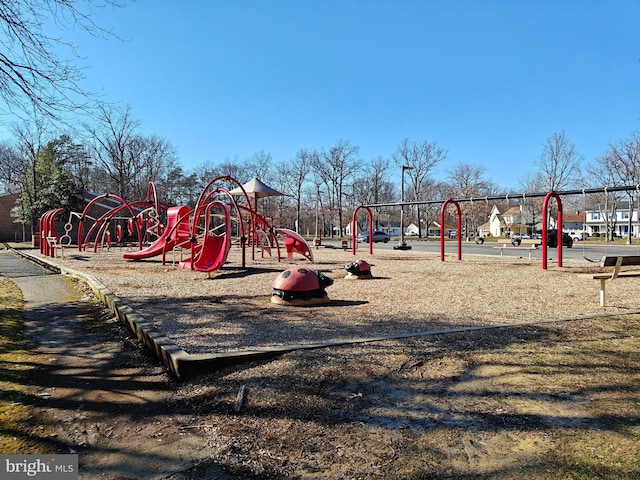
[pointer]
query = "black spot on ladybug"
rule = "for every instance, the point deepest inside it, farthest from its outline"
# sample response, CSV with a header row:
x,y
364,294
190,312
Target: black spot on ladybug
x,y
286,274
304,271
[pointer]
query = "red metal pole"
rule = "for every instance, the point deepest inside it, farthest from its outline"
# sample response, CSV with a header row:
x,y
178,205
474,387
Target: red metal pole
x,y
560,234
458,225
442,209
545,204
545,228
354,238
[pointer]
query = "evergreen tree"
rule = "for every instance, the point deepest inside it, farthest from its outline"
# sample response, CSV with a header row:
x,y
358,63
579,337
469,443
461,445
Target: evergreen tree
x,y
47,184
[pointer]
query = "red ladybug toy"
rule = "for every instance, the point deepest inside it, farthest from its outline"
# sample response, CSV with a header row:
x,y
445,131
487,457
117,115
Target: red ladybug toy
x,y
358,269
300,286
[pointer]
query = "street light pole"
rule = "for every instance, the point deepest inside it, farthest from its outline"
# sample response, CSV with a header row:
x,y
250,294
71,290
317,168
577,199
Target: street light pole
x,y
402,245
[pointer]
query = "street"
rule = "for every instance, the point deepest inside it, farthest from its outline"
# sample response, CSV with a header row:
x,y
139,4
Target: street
x,y
589,251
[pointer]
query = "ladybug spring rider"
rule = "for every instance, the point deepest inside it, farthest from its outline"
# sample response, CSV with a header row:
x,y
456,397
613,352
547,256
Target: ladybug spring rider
x,y
358,269
300,286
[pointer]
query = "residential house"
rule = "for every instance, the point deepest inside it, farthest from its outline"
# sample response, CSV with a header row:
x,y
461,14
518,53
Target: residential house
x,y
573,221
504,219
507,219
595,221
433,231
412,229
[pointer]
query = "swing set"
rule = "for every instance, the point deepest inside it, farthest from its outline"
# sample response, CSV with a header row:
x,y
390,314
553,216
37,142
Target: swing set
x,y
548,196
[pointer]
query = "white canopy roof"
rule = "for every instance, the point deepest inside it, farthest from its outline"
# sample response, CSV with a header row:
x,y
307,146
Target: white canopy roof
x,y
256,188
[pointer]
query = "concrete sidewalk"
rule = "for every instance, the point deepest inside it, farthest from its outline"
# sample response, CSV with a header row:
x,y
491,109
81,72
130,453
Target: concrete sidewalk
x,y
50,304
92,386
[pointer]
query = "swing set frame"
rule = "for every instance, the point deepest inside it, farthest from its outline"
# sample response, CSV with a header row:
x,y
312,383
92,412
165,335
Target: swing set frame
x,y
556,195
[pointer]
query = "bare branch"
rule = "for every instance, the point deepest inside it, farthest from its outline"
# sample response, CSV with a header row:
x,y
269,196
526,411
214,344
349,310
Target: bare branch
x,y
33,78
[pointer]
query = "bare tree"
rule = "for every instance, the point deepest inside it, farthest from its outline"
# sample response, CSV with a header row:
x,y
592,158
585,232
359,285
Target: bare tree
x,y
10,167
374,186
112,146
531,182
421,158
293,176
468,181
129,159
157,160
606,204
315,194
34,78
260,165
559,164
622,164
336,166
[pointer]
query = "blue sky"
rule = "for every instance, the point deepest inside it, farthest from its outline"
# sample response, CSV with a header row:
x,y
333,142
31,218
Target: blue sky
x,y
489,81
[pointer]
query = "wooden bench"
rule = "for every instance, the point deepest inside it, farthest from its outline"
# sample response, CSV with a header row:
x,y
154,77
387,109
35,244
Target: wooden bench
x,y
530,241
53,244
616,261
504,247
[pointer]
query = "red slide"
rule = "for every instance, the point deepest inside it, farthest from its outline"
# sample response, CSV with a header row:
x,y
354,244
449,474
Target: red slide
x,y
212,255
215,248
164,243
295,243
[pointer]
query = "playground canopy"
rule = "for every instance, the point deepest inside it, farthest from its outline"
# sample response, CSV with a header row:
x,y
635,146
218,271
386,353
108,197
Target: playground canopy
x,y
257,189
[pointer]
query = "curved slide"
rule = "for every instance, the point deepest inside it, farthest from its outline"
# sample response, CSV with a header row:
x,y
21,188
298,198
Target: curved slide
x,y
295,243
214,248
164,243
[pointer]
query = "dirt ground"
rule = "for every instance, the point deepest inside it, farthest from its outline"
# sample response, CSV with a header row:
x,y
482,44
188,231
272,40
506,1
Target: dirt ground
x,y
557,399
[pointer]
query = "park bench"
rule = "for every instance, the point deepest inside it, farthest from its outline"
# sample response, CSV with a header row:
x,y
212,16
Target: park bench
x,y
531,242
55,246
617,262
530,247
517,241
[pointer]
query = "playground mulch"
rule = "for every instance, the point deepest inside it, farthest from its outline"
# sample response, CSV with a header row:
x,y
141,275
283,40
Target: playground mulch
x,y
410,292
530,401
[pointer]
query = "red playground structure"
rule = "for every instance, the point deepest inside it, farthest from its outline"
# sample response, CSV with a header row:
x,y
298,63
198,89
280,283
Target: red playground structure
x,y
150,228
177,226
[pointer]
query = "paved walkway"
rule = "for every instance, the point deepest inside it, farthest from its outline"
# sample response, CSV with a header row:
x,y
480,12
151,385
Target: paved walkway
x,y
93,395
51,308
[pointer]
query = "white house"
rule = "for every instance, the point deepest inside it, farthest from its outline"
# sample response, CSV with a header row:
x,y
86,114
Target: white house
x,y
595,222
504,220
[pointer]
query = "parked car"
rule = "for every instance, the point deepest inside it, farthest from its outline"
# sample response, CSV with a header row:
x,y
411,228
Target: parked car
x,y
552,239
578,235
377,237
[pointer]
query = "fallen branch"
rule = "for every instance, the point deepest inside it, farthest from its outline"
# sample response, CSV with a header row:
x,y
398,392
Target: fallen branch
x,y
240,398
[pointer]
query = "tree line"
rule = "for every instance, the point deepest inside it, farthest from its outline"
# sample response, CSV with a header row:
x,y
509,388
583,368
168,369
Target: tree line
x,y
321,186
112,155
65,141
